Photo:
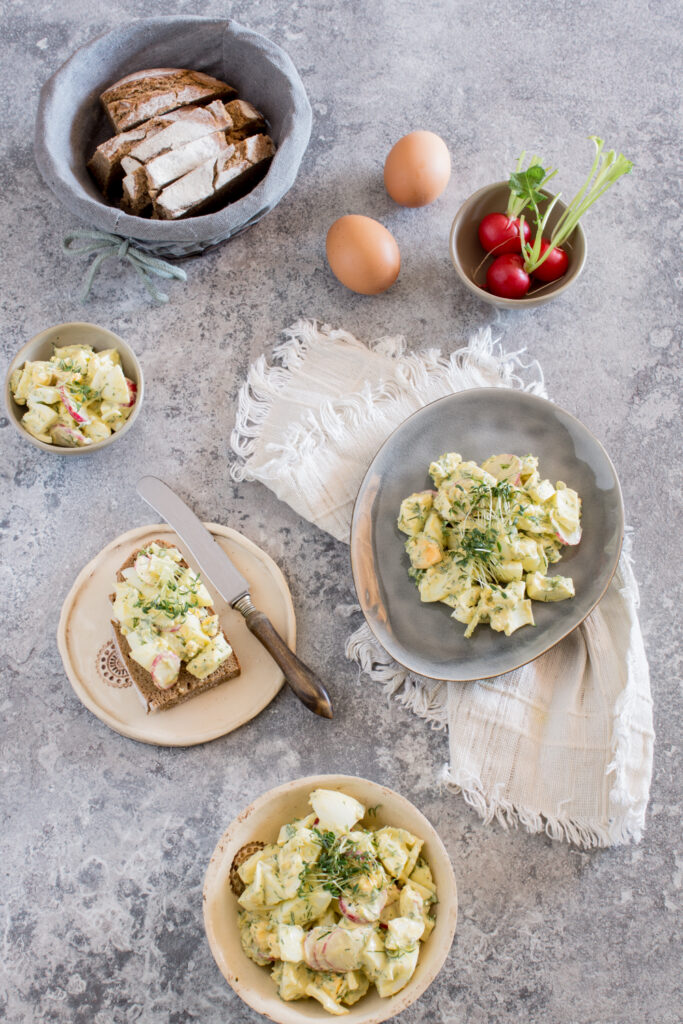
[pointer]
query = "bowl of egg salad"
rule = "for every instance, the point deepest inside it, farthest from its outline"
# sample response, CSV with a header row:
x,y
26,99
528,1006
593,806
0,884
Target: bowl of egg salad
x,y
330,896
73,388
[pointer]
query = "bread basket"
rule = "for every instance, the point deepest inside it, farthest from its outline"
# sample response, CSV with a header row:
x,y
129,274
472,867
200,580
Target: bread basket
x,y
71,123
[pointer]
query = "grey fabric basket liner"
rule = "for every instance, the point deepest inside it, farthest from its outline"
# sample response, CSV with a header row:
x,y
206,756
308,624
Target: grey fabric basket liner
x,y
71,122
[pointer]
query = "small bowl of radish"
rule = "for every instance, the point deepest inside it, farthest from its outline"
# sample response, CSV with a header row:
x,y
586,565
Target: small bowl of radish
x,y
475,264
515,244
79,437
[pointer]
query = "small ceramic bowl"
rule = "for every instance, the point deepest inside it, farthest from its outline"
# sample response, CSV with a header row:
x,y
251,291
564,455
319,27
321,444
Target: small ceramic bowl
x,y
41,347
262,821
467,253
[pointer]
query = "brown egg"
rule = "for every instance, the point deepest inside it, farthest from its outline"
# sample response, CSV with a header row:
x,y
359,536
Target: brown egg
x,y
362,254
417,169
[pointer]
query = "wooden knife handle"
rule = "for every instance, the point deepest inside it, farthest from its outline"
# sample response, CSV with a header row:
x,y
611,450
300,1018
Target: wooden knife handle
x,y
302,680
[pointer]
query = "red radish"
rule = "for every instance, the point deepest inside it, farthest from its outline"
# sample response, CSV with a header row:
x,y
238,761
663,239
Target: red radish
x,y
172,661
344,907
132,393
499,233
68,436
553,266
74,413
361,915
507,278
567,538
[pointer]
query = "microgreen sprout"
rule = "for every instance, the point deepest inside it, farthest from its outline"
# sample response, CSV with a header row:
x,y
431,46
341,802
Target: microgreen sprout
x,y
606,170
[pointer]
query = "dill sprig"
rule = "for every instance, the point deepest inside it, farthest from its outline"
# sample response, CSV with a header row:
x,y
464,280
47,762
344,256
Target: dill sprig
x,y
340,868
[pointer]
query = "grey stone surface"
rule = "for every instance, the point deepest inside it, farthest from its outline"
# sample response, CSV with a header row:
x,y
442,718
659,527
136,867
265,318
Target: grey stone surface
x,y
105,841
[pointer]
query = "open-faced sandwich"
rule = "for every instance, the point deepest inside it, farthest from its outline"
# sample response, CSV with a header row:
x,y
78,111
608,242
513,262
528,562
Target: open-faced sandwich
x,y
184,144
167,633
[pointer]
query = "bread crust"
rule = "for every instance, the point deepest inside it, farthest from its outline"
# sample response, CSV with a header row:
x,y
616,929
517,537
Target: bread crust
x,y
187,685
146,94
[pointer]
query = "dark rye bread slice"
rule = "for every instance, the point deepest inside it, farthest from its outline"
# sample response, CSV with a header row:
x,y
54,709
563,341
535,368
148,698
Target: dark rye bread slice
x,y
146,94
187,685
240,858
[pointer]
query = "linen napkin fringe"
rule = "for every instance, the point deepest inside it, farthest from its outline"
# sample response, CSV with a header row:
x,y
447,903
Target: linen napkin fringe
x,y
481,363
427,698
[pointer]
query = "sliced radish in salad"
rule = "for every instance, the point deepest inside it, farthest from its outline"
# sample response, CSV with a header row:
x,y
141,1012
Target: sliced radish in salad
x,y
70,437
70,405
363,912
564,536
165,669
132,393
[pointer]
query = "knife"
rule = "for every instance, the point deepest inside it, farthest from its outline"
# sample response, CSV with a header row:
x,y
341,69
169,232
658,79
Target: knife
x,y
215,566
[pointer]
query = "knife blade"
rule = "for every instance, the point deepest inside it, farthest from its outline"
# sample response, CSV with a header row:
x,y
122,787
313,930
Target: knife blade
x,y
215,566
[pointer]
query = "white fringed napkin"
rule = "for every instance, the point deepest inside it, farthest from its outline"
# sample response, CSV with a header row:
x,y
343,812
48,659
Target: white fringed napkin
x,y
563,745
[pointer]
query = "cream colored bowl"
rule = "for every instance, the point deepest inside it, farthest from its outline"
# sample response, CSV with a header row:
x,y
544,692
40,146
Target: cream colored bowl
x,y
77,333
262,821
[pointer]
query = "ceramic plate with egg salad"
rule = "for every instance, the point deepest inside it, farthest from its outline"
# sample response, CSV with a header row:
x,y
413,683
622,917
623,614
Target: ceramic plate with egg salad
x,y
333,907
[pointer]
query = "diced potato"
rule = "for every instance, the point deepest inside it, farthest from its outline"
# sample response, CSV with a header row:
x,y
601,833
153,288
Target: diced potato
x,y
549,588
446,577
434,528
506,572
444,466
97,429
504,467
111,383
529,466
208,660
567,505
423,551
540,492
413,512
39,419
43,394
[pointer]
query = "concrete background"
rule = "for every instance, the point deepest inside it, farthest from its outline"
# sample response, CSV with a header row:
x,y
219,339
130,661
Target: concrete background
x,y
105,841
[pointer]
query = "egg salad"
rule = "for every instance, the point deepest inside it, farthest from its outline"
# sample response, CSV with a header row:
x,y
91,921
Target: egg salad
x,y
75,398
336,907
164,611
483,540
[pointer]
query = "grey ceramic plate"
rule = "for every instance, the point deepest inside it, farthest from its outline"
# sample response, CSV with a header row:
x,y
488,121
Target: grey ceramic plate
x,y
479,423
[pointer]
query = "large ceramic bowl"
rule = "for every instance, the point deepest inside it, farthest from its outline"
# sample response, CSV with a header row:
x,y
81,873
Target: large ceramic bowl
x,y
262,821
71,122
78,333
479,423
469,258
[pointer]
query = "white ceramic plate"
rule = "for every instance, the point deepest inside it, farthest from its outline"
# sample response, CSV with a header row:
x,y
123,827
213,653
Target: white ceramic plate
x,y
262,821
101,682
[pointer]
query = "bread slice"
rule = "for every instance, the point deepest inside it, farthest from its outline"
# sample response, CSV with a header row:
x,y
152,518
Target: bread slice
x,y
135,196
186,123
187,685
228,176
146,94
193,123
170,166
244,119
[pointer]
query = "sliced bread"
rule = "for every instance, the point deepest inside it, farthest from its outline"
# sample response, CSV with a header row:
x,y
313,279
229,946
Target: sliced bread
x,y
146,94
187,685
228,176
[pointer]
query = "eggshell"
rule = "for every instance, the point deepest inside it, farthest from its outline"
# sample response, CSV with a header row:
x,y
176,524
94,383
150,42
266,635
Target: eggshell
x,y
362,254
417,169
